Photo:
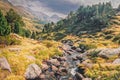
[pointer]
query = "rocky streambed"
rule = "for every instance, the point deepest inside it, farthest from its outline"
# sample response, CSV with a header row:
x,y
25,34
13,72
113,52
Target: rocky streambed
x,y
72,64
64,67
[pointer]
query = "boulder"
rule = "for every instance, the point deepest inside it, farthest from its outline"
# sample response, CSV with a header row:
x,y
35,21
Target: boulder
x,y
117,61
4,65
107,53
32,72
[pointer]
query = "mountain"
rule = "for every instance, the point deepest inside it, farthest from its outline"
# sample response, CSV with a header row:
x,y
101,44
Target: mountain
x,y
55,18
44,17
30,6
28,18
85,20
5,6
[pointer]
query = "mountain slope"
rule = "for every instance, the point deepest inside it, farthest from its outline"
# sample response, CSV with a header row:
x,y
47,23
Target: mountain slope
x,y
6,6
86,20
28,18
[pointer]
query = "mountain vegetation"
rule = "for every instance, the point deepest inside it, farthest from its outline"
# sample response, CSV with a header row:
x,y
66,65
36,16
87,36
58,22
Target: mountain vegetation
x,y
83,46
87,19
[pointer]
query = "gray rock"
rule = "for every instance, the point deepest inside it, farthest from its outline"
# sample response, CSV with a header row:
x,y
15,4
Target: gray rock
x,y
15,49
33,71
107,53
45,66
42,76
54,62
117,61
87,79
78,50
4,65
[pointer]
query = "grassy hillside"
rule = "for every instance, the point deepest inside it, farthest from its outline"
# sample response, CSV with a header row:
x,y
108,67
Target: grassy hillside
x,y
28,18
108,38
27,52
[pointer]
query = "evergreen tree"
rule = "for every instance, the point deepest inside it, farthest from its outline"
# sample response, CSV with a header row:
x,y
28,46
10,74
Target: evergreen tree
x,y
27,33
12,17
4,27
33,36
17,28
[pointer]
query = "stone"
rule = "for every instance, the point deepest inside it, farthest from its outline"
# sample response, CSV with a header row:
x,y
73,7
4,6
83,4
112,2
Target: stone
x,y
116,61
45,66
62,59
78,50
15,49
42,76
33,71
54,68
4,65
86,79
107,53
54,62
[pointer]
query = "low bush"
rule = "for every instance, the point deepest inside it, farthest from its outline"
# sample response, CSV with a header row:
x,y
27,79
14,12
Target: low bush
x,y
7,40
109,37
116,38
94,53
87,46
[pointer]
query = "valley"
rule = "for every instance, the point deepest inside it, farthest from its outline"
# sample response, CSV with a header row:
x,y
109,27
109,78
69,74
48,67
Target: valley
x,y
84,45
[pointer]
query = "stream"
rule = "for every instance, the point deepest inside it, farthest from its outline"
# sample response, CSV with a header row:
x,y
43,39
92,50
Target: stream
x,y
72,58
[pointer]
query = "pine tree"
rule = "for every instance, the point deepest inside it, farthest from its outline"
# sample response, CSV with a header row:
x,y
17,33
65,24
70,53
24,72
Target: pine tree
x,y
17,28
4,27
12,17
33,36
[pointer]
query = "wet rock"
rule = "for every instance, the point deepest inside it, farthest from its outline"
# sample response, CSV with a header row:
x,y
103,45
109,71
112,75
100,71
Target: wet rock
x,y
79,76
62,59
73,48
78,50
107,53
55,57
54,68
42,76
4,65
73,71
117,61
45,66
62,69
54,62
74,58
80,57
32,72
65,64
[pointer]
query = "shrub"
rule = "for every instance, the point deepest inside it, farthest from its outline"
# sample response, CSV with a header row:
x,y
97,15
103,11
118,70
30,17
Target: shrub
x,y
7,40
108,32
109,37
116,38
87,46
94,53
